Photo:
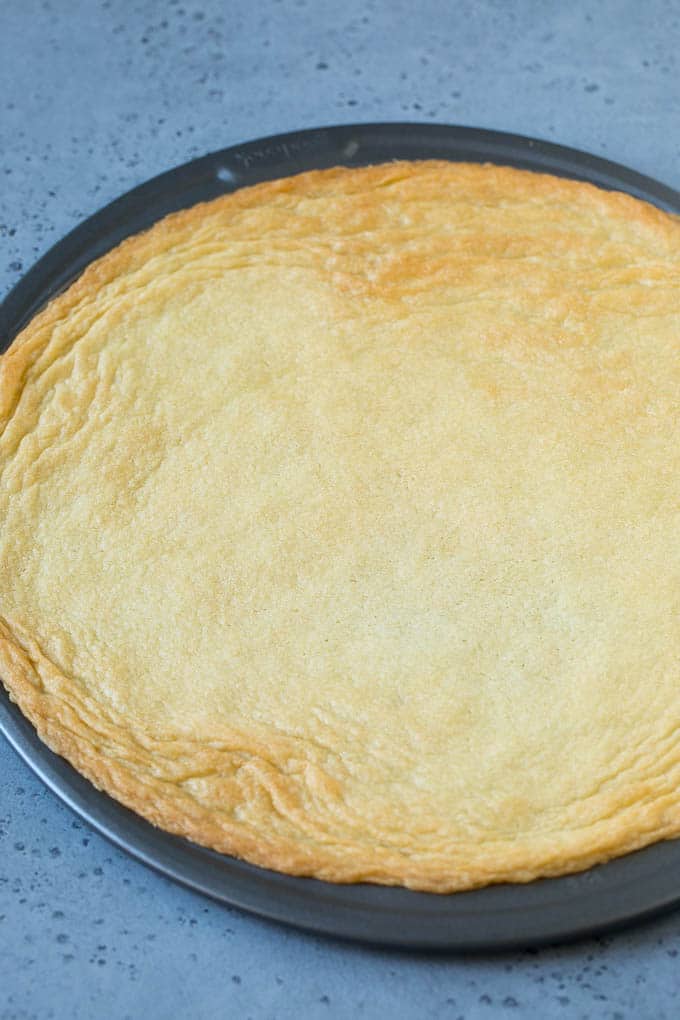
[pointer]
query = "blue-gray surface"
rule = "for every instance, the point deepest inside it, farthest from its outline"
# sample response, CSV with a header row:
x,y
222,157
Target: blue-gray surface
x,y
95,98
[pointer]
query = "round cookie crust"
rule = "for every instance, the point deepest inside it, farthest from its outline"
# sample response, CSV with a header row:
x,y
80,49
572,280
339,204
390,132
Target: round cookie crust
x,y
340,524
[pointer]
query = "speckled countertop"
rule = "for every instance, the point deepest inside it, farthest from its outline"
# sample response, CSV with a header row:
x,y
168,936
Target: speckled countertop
x,y
95,98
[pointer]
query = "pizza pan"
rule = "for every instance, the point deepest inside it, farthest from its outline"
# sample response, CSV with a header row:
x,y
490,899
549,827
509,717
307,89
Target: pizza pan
x,y
498,917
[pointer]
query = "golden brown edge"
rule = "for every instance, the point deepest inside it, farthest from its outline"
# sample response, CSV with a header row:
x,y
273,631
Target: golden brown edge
x,y
178,812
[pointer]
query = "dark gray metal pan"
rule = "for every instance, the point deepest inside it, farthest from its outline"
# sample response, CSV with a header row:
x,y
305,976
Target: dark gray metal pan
x,y
498,917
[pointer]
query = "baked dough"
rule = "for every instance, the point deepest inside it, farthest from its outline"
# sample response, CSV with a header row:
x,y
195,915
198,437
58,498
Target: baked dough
x,y
340,524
